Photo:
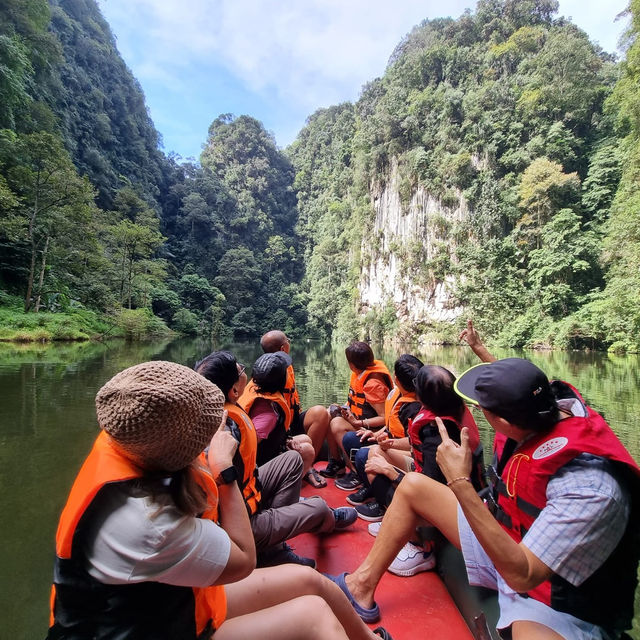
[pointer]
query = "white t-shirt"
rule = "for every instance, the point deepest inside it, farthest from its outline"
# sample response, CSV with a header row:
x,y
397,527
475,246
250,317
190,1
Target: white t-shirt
x,y
132,536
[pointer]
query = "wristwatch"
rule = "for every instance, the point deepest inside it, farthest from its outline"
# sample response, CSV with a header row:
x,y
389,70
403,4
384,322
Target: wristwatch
x,y
227,476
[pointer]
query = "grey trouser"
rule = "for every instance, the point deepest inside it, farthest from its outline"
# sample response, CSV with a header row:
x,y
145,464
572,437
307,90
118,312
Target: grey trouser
x,y
281,515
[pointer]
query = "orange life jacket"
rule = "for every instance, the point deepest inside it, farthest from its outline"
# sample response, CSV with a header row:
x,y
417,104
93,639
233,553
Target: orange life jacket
x,y
248,450
275,443
392,406
357,401
290,391
251,394
81,606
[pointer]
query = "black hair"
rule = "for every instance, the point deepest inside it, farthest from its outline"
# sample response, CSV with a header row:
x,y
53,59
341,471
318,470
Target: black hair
x,y
406,369
269,373
359,354
434,388
221,368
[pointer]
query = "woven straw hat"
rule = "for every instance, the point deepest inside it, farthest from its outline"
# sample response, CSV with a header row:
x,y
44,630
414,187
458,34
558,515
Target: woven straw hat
x,y
162,413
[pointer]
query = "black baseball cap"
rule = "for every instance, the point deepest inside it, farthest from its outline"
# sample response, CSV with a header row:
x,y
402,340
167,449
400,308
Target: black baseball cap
x,y
270,369
513,388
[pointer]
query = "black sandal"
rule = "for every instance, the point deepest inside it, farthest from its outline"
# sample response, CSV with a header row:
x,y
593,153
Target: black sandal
x,y
313,478
383,633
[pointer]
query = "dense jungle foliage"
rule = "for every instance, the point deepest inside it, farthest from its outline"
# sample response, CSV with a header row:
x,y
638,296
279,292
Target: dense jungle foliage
x,y
509,113
94,215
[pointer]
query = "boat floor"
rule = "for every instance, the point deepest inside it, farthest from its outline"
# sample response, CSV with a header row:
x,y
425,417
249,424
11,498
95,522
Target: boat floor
x,y
415,607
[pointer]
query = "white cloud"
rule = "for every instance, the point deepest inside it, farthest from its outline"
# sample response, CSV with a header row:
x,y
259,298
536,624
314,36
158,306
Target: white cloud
x,y
293,56
305,50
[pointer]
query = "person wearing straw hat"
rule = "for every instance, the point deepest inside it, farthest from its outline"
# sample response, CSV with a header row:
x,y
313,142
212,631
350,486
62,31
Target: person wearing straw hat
x,y
153,528
558,538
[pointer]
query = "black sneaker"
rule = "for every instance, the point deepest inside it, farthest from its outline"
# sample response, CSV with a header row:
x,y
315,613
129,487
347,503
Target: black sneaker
x,y
370,511
334,469
360,496
345,517
349,481
283,555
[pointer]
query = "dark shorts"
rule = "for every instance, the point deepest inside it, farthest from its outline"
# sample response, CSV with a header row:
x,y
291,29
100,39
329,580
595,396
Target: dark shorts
x,y
297,425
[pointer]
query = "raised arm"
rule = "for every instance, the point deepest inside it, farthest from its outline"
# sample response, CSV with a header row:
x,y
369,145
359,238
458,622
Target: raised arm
x,y
471,337
233,512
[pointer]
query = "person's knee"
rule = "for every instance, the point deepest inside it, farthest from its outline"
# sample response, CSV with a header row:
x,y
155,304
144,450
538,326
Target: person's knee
x,y
293,462
351,441
414,486
316,414
316,616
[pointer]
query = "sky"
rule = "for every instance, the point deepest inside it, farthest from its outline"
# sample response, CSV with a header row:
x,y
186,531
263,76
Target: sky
x,y
278,60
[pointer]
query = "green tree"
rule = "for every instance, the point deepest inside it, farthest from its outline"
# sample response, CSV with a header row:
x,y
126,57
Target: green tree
x,y
53,206
544,189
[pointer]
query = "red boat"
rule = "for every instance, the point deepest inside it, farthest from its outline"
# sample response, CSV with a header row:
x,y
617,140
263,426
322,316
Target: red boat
x,y
421,606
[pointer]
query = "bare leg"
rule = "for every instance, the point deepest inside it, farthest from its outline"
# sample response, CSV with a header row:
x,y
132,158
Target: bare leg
x,y
297,619
266,588
417,499
528,630
316,424
305,448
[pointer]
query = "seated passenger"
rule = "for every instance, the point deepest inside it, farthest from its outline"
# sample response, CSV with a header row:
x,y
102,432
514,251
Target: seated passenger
x,y
271,491
559,536
153,529
387,464
313,421
369,387
264,401
401,405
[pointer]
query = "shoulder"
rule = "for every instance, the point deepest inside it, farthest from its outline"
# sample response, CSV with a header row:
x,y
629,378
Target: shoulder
x,y
408,410
588,474
136,531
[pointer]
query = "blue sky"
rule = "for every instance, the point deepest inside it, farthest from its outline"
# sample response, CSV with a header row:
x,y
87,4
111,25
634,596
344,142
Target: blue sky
x,y
278,60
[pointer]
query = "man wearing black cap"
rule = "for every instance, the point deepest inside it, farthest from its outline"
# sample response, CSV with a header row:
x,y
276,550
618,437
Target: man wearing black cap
x,y
559,537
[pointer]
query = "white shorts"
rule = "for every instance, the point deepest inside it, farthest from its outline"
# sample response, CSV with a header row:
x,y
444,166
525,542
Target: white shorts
x,y
513,607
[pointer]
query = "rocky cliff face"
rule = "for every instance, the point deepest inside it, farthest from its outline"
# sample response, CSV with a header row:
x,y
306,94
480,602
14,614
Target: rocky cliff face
x,y
406,255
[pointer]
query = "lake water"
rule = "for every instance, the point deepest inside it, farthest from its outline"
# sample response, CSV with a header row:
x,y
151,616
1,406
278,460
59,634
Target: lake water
x,y
47,426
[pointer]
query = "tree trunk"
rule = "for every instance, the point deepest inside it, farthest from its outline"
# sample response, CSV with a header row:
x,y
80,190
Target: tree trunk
x,y
130,278
42,269
32,268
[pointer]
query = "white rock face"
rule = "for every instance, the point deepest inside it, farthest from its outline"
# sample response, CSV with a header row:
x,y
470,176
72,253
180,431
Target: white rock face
x,y
396,254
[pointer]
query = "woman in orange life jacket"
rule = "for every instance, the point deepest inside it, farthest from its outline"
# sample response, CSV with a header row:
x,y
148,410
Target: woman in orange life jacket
x,y
153,528
368,388
271,491
401,405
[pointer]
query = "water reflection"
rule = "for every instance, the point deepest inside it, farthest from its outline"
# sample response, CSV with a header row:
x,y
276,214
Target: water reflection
x,y
47,425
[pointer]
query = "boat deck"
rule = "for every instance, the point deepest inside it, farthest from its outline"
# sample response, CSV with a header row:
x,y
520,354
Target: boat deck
x,y
415,607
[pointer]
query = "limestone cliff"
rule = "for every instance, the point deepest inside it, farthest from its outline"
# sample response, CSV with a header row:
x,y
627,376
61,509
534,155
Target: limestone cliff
x,y
406,254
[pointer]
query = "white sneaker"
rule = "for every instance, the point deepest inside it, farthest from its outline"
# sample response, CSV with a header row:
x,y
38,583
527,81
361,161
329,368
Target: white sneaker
x,y
412,559
373,528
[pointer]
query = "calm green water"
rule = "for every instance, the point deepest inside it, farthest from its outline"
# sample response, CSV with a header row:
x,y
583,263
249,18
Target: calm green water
x,y
47,426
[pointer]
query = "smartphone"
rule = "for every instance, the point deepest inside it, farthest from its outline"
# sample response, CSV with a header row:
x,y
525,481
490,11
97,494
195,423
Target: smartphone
x,y
354,452
233,428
